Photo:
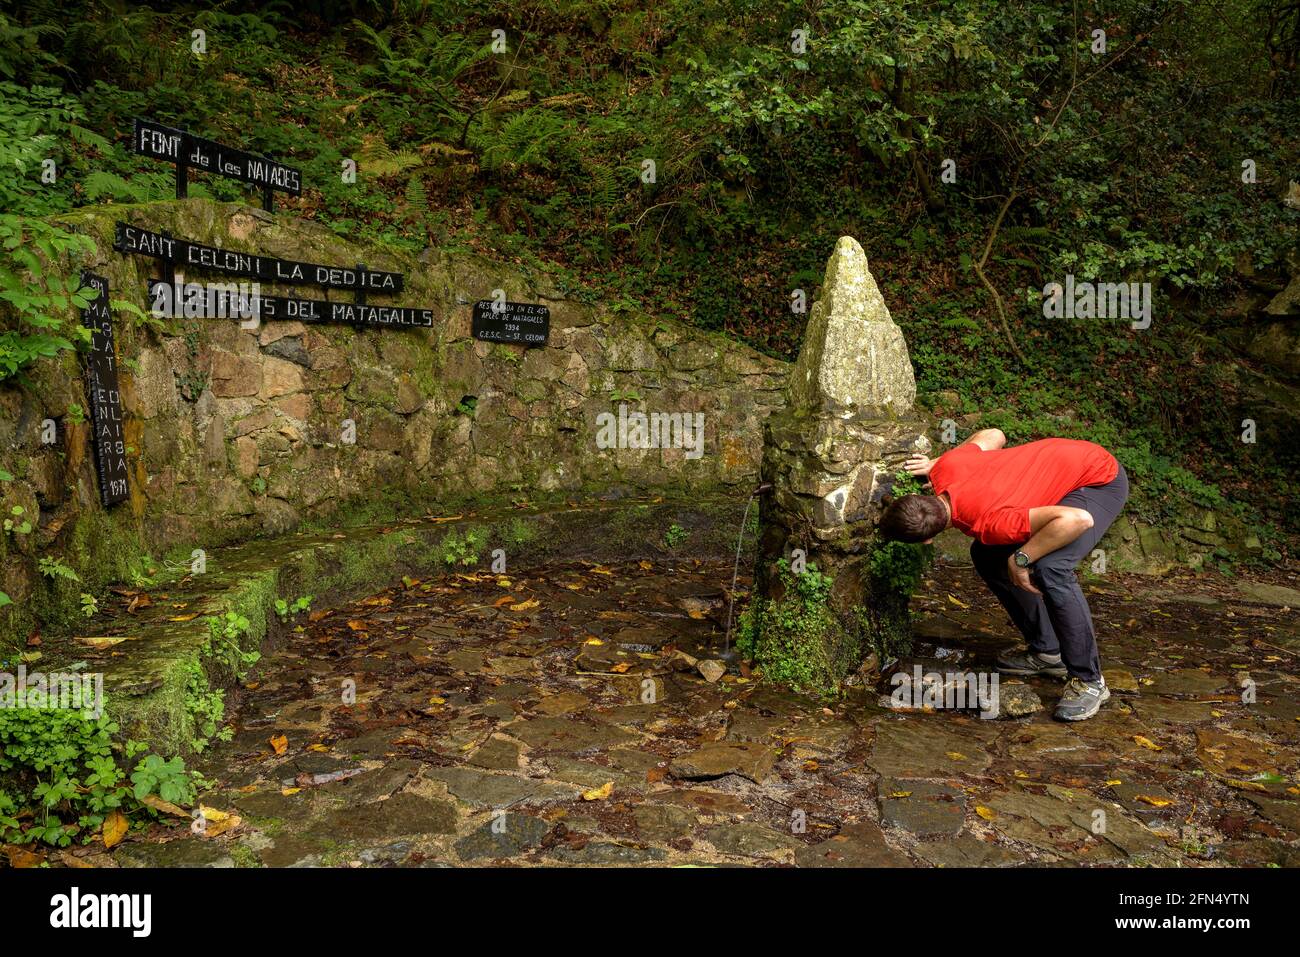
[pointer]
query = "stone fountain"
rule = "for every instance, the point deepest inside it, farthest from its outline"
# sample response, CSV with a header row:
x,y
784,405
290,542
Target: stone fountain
x,y
830,456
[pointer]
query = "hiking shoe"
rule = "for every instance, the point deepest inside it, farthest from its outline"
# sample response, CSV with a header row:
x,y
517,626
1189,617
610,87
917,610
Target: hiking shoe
x,y
1081,699
1030,663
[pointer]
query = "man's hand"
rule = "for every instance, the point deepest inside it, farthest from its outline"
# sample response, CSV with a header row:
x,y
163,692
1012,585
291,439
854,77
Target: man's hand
x,y
1020,576
919,464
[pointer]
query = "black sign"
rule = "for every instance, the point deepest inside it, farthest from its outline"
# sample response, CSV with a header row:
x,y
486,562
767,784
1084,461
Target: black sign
x,y
216,301
186,150
182,252
523,323
105,401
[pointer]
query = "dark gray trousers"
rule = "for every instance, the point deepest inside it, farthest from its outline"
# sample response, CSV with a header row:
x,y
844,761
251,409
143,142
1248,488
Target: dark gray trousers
x,y
1058,621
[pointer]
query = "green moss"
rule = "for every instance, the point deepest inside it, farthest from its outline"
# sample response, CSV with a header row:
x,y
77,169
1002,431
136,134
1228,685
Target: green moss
x,y
795,638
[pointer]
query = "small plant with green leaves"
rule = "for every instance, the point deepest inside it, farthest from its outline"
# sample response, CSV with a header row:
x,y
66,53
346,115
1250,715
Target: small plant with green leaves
x,y
70,774
224,634
288,609
624,395
168,779
206,708
15,523
89,604
462,549
76,413
675,535
53,568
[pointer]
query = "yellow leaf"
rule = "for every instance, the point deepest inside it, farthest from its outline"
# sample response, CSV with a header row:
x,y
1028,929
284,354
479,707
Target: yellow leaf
x,y
1147,743
957,601
600,793
984,812
602,570
900,794
956,755
645,566
525,605
217,822
190,617
436,700
287,792
319,748
1113,782
1020,774
621,668
114,829
1153,800
280,743
167,807
597,641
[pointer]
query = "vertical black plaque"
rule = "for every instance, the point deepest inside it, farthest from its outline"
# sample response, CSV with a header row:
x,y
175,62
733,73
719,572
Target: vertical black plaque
x,y
107,437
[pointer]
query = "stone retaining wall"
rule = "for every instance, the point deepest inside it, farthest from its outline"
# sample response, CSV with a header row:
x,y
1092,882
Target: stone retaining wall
x,y
236,432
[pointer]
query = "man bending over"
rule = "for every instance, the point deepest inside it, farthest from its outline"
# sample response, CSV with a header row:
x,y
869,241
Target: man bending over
x,y
1035,511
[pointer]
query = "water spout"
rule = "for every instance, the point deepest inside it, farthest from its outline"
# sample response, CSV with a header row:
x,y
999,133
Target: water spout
x,y
735,571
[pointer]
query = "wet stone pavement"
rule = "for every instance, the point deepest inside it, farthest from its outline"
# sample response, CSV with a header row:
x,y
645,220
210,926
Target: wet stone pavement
x,y
559,719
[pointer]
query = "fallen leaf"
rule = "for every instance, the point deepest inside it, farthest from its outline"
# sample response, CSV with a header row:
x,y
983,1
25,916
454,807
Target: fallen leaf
x,y
525,605
217,822
1147,743
114,828
101,642
21,857
900,794
987,813
957,601
190,617
621,668
166,807
600,793
280,743
504,600
287,792
1153,800
357,625
956,755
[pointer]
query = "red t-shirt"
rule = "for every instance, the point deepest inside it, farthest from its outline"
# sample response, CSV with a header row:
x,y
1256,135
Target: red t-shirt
x,y
992,492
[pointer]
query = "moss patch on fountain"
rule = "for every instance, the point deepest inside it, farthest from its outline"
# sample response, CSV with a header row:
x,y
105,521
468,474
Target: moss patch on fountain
x,y
799,639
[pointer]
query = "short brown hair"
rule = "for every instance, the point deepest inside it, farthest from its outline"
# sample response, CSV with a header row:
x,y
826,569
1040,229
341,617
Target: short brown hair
x,y
913,518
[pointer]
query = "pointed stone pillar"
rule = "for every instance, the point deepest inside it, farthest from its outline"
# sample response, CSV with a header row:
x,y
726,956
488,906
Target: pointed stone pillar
x,y
830,456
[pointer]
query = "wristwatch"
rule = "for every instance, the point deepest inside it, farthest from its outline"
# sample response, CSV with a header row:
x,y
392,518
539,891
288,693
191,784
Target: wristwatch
x,y
1022,560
